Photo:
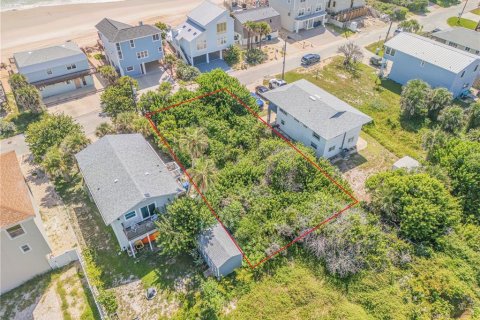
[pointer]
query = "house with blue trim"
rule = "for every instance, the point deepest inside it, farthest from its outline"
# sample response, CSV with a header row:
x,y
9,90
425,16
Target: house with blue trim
x,y
206,33
132,50
55,70
440,65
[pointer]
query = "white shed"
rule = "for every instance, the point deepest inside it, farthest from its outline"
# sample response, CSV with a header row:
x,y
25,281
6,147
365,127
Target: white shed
x,y
407,163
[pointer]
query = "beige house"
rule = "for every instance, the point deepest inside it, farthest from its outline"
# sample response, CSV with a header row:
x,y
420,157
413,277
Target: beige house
x,y
24,245
296,15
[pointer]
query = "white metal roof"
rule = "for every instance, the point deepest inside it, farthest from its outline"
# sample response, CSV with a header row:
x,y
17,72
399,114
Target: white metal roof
x,y
431,51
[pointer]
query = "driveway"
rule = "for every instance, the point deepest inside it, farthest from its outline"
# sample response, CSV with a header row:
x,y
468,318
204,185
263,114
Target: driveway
x,y
215,64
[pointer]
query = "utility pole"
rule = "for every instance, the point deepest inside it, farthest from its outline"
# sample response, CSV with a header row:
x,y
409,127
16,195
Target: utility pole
x,y
284,56
461,13
388,32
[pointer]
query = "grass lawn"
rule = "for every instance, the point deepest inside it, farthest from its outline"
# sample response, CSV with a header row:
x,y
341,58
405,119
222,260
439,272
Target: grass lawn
x,y
373,47
340,31
381,102
466,23
476,11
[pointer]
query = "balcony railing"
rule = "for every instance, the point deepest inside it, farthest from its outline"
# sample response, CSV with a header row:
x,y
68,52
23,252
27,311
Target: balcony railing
x,y
141,228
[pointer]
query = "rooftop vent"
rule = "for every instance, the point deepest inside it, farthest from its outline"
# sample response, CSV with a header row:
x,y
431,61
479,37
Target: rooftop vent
x,y
318,96
312,98
338,114
194,33
147,195
116,180
147,173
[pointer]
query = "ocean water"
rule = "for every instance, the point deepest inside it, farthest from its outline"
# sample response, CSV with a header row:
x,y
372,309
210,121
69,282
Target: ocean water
x,y
27,4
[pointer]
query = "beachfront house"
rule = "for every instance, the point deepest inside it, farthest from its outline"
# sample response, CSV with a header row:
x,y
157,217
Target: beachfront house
x,y
219,251
206,33
55,70
459,37
261,14
314,117
343,6
132,50
297,15
415,57
130,185
24,245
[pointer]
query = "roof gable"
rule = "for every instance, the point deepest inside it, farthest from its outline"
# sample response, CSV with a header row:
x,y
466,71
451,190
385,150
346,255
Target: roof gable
x,y
15,200
431,51
317,109
116,31
123,170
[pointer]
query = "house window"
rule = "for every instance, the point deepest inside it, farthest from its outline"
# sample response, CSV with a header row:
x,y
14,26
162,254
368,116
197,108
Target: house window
x,y
318,8
130,215
130,68
350,139
148,211
334,3
422,63
467,49
156,37
119,51
67,82
316,136
222,40
390,51
160,49
201,44
221,27
49,71
331,148
142,54
132,44
463,73
71,66
302,0
314,146
452,44
283,111
15,231
476,68
25,248
301,12
282,122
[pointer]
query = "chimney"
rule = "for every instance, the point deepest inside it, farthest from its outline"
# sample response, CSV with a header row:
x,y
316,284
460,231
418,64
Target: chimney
x,y
140,23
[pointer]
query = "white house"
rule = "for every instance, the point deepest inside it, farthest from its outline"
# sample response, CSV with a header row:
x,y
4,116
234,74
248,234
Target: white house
x,y
296,15
309,114
206,33
440,65
459,37
24,246
129,183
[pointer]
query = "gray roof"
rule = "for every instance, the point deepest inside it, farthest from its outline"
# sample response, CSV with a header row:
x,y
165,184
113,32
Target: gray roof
x,y
217,245
121,171
205,13
462,36
116,31
27,58
319,110
255,14
431,51
407,163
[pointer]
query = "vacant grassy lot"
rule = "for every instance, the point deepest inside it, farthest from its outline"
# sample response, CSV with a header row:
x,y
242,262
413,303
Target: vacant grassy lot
x,y
466,23
378,99
476,11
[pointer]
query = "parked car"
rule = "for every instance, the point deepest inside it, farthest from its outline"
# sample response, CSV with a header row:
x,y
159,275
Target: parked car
x,y
397,31
275,83
377,61
258,100
436,30
310,59
259,90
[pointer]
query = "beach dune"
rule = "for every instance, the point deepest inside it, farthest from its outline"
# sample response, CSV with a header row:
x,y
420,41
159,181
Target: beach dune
x,y
43,26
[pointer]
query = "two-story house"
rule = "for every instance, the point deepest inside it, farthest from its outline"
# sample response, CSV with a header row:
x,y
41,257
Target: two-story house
x,y
314,117
130,185
338,6
206,33
55,70
440,65
261,14
459,37
24,245
132,50
300,14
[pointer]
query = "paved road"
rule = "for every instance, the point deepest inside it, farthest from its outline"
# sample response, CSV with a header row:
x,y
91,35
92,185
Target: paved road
x,y
86,111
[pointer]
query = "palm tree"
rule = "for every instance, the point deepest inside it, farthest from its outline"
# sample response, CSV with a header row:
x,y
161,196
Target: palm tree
x,y
169,63
264,29
203,173
194,142
251,29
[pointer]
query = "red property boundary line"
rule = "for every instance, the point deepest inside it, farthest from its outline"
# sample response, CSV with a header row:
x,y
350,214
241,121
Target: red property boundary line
x,y
303,235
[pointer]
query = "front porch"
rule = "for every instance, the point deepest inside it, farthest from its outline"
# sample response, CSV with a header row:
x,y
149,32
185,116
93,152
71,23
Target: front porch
x,y
310,21
141,234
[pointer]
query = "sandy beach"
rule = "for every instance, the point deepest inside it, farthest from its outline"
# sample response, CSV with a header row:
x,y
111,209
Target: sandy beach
x,y
44,26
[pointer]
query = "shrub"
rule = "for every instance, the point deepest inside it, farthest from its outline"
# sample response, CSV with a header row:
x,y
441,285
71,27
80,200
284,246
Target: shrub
x,y
451,119
98,56
7,128
232,55
186,72
255,56
414,99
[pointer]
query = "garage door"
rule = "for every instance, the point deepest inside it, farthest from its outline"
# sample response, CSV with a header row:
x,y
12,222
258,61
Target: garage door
x,y
200,59
214,55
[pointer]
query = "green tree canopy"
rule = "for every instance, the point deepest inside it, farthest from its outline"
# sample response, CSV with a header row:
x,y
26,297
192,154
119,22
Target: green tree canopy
x,y
26,95
418,205
451,119
438,100
109,73
414,98
120,97
474,116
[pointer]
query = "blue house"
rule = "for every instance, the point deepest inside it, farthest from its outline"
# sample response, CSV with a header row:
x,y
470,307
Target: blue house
x,y
132,50
55,70
438,64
